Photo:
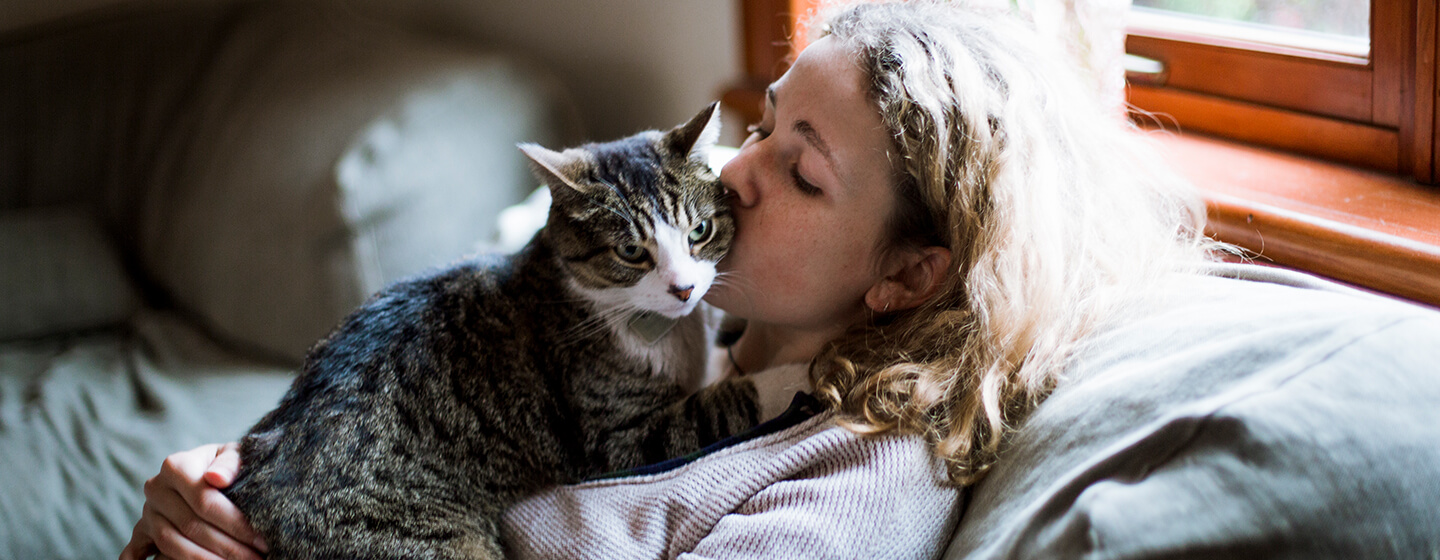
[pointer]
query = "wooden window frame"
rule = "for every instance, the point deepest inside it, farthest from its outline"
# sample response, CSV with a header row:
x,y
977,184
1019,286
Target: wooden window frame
x,y
1360,111
767,27
1313,162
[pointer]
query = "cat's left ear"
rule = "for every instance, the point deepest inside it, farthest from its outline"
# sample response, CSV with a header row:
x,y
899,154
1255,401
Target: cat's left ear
x,y
695,138
551,167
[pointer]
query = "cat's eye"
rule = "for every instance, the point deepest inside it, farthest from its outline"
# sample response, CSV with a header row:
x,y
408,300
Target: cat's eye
x,y
702,232
631,253
757,129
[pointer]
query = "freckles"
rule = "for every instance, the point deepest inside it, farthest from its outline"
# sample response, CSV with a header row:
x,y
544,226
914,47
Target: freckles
x,y
766,255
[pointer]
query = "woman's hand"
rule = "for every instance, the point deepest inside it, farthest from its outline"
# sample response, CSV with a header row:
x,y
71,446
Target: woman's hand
x,y
187,518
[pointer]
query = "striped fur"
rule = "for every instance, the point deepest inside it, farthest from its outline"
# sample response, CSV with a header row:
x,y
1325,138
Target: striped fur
x,y
446,398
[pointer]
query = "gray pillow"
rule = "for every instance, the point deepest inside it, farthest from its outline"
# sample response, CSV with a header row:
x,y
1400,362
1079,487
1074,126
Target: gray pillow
x,y
1251,419
59,273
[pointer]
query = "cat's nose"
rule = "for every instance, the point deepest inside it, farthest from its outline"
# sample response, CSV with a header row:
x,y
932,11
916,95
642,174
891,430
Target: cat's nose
x,y
681,292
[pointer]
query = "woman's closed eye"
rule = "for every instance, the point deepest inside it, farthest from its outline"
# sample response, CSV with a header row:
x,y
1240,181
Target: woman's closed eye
x,y
806,187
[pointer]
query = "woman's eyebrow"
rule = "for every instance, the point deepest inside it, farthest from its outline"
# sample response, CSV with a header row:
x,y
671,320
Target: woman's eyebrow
x,y
805,130
813,138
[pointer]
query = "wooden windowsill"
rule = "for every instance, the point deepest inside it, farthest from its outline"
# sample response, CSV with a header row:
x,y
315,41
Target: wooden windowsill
x,y
1369,229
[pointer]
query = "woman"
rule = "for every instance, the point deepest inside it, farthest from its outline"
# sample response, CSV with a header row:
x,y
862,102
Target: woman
x,y
933,215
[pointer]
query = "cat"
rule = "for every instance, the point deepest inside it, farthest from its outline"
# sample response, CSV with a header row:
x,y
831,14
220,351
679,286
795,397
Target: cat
x,y
445,398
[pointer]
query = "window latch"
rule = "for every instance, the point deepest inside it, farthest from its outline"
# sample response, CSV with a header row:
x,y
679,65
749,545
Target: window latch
x,y
1144,71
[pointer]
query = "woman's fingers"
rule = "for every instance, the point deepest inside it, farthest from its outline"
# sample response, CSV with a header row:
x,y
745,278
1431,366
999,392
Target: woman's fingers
x,y
226,465
141,546
172,542
219,511
177,529
155,535
185,474
186,518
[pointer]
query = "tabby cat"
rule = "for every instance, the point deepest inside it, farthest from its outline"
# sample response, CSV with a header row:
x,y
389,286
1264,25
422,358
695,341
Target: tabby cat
x,y
446,398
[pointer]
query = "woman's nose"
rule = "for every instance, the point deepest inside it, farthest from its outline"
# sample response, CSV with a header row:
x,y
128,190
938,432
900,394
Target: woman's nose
x,y
738,178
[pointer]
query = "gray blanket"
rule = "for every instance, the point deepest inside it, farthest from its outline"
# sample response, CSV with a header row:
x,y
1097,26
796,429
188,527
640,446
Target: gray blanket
x,y
85,419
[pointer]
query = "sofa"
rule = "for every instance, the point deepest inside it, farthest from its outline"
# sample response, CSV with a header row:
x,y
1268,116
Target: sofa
x,y
191,195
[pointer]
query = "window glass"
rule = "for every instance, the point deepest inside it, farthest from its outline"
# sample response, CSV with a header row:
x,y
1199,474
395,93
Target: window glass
x,y
1341,26
1350,18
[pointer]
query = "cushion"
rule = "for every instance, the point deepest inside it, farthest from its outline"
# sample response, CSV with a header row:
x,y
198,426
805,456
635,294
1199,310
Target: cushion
x,y
324,156
60,273
1251,418
87,100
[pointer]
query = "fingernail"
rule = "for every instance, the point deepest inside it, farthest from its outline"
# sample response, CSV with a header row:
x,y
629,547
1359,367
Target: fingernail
x,y
218,479
260,544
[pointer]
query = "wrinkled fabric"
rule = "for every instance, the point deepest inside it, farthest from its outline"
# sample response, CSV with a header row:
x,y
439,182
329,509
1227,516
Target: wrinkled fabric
x,y
85,419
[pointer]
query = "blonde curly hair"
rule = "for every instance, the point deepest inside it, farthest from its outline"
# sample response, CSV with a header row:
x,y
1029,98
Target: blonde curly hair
x,y
1058,218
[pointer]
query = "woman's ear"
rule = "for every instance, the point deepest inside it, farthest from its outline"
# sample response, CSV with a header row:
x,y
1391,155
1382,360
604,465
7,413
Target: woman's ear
x,y
912,277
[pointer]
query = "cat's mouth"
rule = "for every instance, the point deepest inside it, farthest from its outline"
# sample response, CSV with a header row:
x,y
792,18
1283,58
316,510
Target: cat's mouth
x,y
679,309
673,297
652,324
689,308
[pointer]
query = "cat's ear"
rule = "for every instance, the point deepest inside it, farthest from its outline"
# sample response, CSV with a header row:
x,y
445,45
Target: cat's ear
x,y
551,167
695,138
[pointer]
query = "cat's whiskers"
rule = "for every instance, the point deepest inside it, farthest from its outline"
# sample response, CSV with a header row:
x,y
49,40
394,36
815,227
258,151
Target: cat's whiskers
x,y
603,318
735,281
588,328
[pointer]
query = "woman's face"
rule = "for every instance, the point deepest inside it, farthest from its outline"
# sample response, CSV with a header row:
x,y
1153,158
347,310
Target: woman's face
x,y
812,190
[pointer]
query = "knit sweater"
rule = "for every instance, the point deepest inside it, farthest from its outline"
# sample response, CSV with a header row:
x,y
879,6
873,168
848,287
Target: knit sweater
x,y
798,486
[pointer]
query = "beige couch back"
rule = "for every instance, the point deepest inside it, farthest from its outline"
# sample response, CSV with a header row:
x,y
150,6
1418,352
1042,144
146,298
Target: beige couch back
x,y
265,166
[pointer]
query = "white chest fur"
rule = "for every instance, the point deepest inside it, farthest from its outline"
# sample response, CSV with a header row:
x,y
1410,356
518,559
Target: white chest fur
x,y
681,353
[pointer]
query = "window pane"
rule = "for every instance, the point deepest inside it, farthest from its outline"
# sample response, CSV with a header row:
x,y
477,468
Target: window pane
x,y
1349,18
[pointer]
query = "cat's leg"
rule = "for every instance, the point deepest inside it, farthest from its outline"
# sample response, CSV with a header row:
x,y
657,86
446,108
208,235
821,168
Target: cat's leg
x,y
709,415
453,537
415,533
483,544
372,498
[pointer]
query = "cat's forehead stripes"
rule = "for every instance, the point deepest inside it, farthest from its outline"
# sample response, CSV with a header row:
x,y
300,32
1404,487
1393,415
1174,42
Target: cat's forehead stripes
x,y
650,188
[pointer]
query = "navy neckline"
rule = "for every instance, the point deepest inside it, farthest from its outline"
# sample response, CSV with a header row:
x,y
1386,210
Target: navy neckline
x,y
803,407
